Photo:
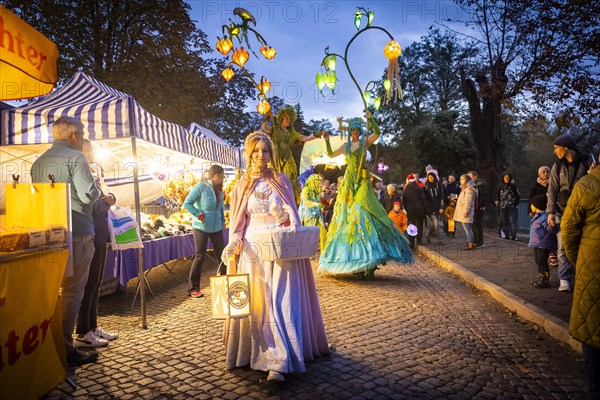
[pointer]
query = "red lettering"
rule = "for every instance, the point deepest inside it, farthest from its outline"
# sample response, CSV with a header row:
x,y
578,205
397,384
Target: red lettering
x,y
11,345
30,341
43,58
11,46
32,55
44,326
19,43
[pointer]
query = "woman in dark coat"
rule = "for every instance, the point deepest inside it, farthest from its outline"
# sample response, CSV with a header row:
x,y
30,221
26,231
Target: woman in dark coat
x,y
415,203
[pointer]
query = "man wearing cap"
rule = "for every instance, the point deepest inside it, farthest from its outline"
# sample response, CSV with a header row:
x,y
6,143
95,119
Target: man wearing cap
x,y
572,164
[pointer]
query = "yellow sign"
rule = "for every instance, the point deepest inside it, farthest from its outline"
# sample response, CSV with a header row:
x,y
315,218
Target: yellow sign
x,y
29,362
27,59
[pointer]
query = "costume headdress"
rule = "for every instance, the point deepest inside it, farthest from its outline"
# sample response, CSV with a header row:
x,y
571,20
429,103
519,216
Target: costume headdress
x,y
287,110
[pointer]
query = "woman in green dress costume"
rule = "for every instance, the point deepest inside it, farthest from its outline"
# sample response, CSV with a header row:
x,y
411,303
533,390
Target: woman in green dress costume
x,y
361,235
284,136
310,210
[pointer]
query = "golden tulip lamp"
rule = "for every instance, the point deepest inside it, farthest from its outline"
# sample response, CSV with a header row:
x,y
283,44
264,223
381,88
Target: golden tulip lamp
x,y
240,55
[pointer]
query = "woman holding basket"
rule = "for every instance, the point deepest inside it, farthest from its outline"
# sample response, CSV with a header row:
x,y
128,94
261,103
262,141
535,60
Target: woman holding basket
x,y
285,327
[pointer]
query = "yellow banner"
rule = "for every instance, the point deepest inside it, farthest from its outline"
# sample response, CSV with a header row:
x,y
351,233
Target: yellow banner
x,y
29,362
27,59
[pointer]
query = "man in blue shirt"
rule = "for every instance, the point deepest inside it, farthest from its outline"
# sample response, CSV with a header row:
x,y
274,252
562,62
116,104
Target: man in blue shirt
x,y
66,163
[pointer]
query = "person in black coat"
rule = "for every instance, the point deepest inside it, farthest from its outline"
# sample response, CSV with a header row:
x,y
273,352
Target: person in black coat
x,y
435,204
389,198
507,198
415,204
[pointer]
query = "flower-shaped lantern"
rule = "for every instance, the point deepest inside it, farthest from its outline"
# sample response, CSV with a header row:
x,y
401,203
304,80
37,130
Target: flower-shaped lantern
x,y
240,55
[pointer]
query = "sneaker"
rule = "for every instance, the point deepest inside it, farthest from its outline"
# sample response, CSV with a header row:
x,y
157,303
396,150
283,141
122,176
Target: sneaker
x,y
479,245
565,286
89,340
275,376
196,294
77,357
101,333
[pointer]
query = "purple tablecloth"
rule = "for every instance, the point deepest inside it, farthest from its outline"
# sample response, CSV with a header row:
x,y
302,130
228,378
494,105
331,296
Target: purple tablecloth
x,y
124,264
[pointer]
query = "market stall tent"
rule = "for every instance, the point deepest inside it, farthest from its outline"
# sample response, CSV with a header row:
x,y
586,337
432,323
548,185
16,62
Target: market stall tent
x,y
111,119
136,142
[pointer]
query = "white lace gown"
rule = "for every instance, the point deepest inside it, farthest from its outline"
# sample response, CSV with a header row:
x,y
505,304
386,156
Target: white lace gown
x,y
285,326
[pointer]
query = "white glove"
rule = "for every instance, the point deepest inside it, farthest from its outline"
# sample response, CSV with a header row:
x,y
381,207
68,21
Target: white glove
x,y
230,251
276,210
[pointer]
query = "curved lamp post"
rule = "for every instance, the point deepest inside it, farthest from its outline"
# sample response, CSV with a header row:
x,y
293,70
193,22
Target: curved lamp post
x,y
392,85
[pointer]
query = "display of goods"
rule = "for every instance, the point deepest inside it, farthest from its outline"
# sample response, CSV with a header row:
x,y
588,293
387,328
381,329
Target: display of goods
x,y
227,189
176,190
56,233
13,241
20,239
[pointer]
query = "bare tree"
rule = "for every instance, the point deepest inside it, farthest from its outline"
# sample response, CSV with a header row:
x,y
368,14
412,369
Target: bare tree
x,y
543,51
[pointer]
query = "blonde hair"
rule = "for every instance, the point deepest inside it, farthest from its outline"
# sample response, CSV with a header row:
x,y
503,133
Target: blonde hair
x,y
249,145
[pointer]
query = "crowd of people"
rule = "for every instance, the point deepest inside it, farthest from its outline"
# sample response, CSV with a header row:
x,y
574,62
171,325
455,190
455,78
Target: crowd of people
x,y
362,226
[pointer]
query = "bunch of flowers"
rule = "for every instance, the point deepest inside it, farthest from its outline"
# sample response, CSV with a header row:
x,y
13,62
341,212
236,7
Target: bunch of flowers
x,y
176,190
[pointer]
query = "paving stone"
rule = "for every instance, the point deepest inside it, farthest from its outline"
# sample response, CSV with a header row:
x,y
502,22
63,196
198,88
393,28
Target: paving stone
x,y
414,332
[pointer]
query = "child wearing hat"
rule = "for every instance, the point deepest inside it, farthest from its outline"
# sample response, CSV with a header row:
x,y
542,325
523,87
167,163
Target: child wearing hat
x,y
543,240
449,212
398,217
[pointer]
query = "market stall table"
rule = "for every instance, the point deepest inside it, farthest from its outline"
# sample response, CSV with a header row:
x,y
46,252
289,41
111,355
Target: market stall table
x,y
123,264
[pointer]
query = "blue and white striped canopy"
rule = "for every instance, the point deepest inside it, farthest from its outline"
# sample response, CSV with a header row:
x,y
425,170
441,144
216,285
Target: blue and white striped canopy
x,y
206,142
106,114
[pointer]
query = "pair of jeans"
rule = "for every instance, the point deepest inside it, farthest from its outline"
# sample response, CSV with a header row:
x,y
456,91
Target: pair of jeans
x,y
468,231
73,286
87,319
434,226
509,222
566,271
478,227
201,243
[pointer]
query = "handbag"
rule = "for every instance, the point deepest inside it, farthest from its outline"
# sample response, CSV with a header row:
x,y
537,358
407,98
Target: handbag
x,y
230,294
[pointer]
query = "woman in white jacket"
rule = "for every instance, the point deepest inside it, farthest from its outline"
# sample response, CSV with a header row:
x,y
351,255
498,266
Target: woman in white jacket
x,y
465,207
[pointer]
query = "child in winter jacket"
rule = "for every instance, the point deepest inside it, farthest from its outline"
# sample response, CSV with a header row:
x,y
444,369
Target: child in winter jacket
x,y
398,217
543,240
449,212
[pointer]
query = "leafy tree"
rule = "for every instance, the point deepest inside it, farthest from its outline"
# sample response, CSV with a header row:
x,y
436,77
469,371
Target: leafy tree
x,y
316,126
151,50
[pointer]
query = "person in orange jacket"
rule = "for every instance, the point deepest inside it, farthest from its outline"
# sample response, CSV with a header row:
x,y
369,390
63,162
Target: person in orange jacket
x,y
398,217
